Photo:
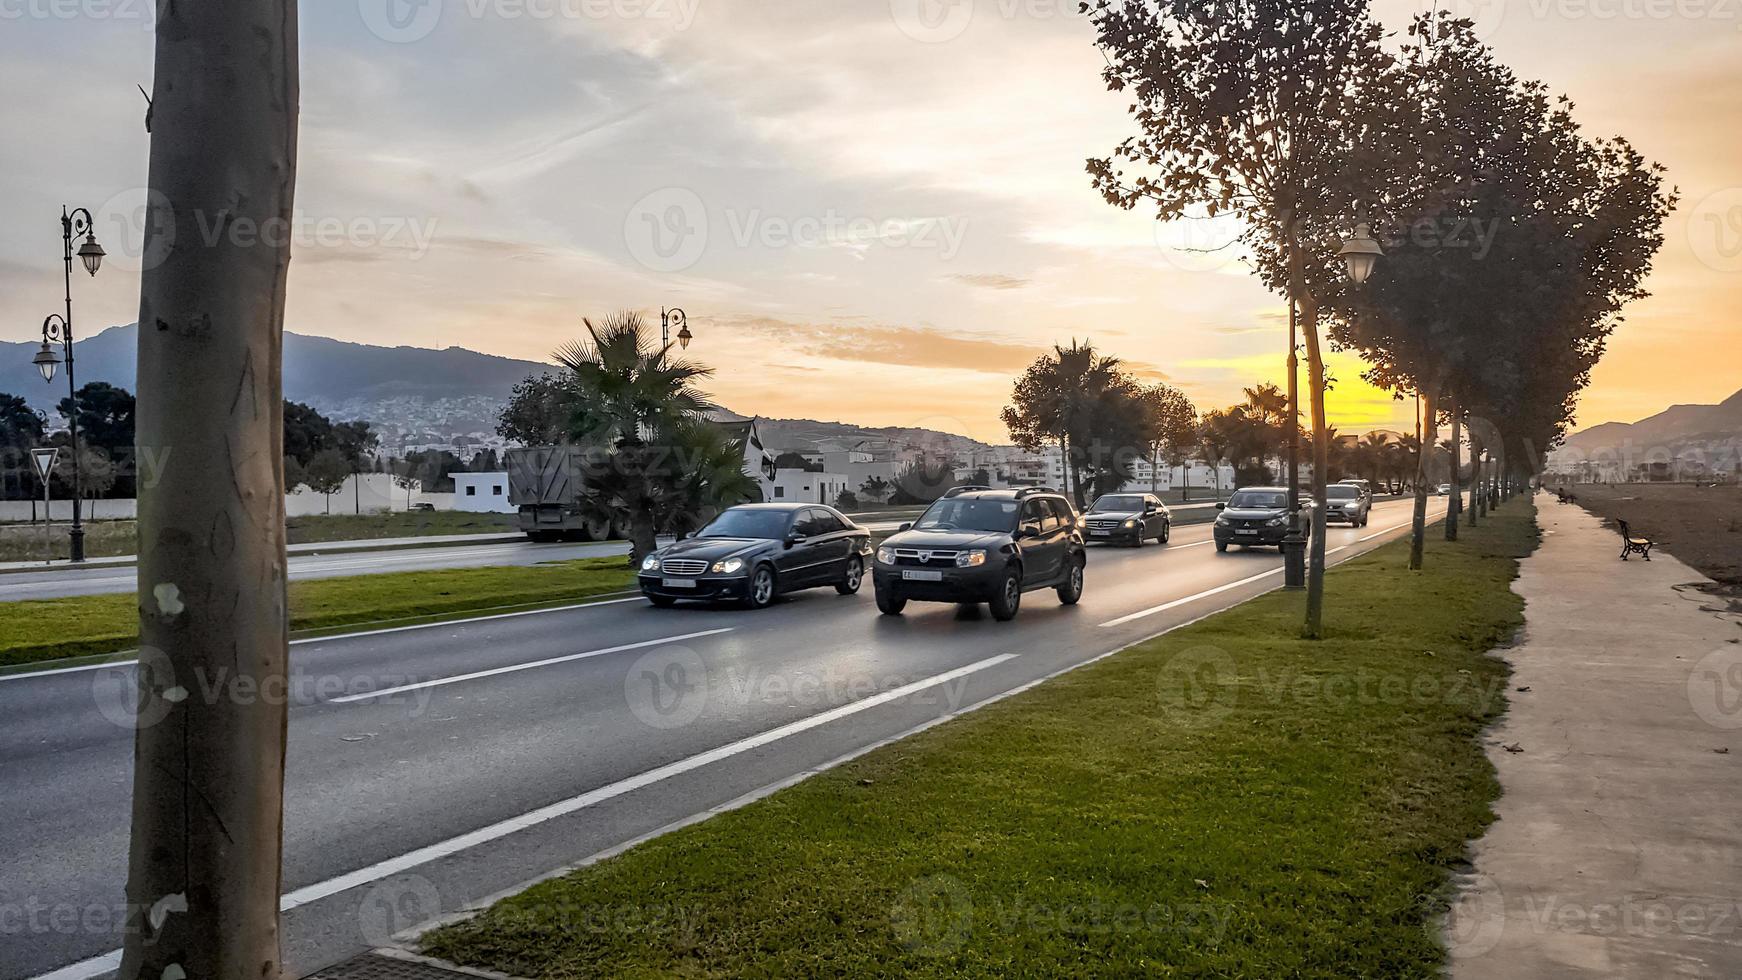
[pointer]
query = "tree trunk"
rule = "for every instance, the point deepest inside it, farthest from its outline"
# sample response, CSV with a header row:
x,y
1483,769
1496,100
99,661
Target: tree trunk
x,y
643,539
1476,475
1455,500
204,870
1428,430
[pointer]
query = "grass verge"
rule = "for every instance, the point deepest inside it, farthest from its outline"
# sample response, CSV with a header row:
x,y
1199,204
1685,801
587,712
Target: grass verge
x,y
113,539
1223,801
51,629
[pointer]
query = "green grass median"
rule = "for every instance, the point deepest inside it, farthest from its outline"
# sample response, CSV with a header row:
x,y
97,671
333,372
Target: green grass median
x,y
50,629
1226,800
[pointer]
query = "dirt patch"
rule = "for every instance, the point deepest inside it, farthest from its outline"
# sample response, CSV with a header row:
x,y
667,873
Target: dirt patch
x,y
1702,526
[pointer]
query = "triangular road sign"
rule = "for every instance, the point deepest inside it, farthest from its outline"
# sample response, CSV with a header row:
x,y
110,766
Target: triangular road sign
x,y
45,460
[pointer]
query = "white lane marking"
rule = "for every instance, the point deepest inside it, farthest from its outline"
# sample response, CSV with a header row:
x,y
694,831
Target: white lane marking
x,y
516,668
96,966
352,636
1175,604
424,855
109,962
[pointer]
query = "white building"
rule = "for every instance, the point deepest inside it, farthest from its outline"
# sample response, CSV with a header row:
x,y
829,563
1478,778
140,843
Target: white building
x,y
482,493
805,486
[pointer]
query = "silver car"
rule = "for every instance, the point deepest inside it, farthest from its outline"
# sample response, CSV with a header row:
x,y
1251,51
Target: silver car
x,y
1347,503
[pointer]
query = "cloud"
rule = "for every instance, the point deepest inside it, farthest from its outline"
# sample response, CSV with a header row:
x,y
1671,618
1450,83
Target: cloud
x,y
989,280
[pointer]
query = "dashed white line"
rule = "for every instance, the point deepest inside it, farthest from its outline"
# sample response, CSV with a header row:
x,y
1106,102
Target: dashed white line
x,y
532,665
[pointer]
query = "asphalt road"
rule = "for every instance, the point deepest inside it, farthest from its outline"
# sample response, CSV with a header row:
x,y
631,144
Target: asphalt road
x,y
59,582
526,744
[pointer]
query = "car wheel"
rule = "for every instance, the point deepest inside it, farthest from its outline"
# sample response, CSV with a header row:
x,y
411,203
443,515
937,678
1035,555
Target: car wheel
x,y
662,601
890,604
762,587
1008,601
854,577
1166,532
1137,542
1072,590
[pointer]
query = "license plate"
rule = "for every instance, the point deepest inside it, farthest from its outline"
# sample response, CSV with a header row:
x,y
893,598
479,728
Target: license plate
x,y
1100,534
912,576
1244,531
679,583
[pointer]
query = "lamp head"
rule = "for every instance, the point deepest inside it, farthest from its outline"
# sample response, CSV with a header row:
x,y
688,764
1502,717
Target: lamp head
x,y
46,361
1360,254
91,254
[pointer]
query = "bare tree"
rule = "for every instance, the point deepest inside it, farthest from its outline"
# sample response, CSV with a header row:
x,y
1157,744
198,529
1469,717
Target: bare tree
x,y
208,798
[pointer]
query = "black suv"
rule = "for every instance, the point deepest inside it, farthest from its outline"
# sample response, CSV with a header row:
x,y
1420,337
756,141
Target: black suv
x,y
986,546
1258,516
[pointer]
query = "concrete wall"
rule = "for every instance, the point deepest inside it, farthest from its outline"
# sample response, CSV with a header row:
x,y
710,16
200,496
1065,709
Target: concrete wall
x,y
375,494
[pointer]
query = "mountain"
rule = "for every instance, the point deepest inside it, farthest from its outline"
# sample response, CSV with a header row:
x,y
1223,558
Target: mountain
x,y
317,370
1677,426
807,435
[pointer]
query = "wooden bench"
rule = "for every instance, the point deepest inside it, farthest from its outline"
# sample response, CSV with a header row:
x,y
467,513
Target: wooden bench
x,y
1631,545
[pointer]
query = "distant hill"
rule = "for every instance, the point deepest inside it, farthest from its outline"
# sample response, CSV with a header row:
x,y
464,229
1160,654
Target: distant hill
x,y
318,370
809,434
1674,427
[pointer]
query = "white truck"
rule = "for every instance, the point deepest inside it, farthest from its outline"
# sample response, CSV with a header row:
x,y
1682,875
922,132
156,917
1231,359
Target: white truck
x,y
545,483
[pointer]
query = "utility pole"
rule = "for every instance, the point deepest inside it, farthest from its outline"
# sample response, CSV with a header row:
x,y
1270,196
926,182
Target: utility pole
x,y
204,874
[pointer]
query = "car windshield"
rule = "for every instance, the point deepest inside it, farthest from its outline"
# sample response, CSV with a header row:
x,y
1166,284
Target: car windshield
x,y
969,514
1117,505
737,523
1258,500
1342,492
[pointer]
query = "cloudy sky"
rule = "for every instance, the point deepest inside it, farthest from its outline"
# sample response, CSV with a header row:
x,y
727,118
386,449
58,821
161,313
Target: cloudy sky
x,y
873,210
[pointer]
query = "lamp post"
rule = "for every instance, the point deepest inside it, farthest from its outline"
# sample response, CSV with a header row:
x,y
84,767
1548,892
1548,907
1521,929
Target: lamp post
x,y
668,319
58,329
1295,542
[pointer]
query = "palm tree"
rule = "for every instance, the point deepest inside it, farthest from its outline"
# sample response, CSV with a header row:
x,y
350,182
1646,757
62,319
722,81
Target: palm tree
x,y
632,404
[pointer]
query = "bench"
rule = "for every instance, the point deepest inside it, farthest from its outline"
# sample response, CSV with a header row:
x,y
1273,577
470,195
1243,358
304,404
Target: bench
x,y
1631,545
1565,497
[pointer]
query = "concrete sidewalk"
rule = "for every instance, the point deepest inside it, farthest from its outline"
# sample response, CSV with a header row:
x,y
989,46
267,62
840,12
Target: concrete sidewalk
x,y
1618,852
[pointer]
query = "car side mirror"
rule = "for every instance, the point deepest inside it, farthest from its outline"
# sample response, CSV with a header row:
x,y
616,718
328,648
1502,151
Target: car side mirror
x,y
904,527
1221,506
795,539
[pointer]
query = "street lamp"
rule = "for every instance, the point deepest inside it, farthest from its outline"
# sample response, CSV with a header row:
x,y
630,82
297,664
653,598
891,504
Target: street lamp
x,y
58,329
1360,254
680,319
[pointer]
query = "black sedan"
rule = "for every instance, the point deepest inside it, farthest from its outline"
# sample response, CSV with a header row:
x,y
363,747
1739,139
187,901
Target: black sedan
x,y
755,552
1129,518
1258,516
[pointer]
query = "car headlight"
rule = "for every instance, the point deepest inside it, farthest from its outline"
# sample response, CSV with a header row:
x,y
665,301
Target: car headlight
x,y
729,566
1223,520
886,556
1131,523
971,559
650,563
1278,521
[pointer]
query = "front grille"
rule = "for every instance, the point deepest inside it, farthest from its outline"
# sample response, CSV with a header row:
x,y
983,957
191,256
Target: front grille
x,y
683,566
911,556
1104,525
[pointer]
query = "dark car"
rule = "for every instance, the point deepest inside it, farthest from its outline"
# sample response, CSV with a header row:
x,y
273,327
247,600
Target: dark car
x,y
1257,516
1128,518
986,546
755,552
1348,503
